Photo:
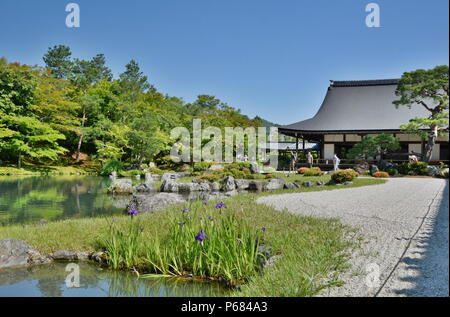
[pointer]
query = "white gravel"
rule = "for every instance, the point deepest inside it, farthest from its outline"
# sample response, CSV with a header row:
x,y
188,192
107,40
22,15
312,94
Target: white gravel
x,y
405,224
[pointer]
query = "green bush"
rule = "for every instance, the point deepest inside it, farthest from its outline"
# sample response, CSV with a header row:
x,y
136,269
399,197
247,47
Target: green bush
x,y
211,177
130,173
315,171
415,168
392,171
201,166
111,166
343,176
155,170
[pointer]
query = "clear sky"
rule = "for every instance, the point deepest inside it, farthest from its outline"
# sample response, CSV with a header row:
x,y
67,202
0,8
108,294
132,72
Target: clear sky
x,y
272,58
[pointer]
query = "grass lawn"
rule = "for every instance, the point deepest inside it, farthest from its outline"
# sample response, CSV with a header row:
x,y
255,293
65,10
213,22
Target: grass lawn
x,y
312,252
44,170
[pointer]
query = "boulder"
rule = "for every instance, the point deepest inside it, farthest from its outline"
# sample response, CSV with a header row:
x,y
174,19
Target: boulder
x,y
169,187
145,188
151,203
373,169
121,186
254,167
99,257
320,183
17,253
228,184
291,185
442,173
256,185
169,177
275,183
188,187
215,187
361,168
432,170
242,184
63,255
308,184
348,183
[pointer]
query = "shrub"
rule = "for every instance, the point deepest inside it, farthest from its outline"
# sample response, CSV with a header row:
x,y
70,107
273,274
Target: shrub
x,y
130,173
392,171
256,176
415,168
201,166
211,177
302,170
315,171
381,175
343,176
111,166
155,170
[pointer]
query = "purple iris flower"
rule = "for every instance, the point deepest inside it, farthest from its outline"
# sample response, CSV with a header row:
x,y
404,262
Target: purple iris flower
x,y
185,210
264,229
133,211
182,223
220,205
205,203
201,236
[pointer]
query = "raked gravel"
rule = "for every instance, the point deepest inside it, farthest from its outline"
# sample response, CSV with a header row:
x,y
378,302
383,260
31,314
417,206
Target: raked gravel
x,y
405,226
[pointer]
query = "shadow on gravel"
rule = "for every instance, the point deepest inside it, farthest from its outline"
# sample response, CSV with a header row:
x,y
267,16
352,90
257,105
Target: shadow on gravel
x,y
431,268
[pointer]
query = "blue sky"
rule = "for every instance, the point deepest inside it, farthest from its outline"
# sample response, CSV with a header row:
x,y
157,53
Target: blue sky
x,y
272,58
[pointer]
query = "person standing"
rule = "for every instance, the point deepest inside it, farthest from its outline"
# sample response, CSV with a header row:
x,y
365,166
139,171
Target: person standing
x,y
310,159
336,162
293,162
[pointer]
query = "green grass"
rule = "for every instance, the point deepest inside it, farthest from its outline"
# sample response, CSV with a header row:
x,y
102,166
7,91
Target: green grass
x,y
44,170
311,252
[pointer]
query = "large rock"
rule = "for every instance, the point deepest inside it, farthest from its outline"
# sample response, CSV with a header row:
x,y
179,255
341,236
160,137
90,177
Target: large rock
x,y
169,187
63,255
151,203
145,188
121,186
256,185
242,184
275,183
291,185
228,184
361,168
17,253
171,177
188,187
432,170
442,173
254,167
215,187
308,184
374,169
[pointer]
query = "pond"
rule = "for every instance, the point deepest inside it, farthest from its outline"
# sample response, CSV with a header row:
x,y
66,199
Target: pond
x,y
50,281
30,199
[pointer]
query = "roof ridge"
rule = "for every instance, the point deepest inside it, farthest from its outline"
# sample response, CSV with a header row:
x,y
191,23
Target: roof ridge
x,y
369,82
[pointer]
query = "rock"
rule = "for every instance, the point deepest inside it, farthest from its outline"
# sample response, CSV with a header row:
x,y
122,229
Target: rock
x,y
385,165
242,184
149,178
291,185
63,255
308,184
99,257
271,261
432,170
151,203
169,187
374,169
188,187
204,187
113,175
216,167
42,222
442,173
348,183
275,183
17,253
169,177
254,167
121,186
215,187
256,185
361,168
151,165
144,188
320,183
228,184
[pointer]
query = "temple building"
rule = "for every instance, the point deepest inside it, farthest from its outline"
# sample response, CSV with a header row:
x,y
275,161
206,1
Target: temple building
x,y
353,109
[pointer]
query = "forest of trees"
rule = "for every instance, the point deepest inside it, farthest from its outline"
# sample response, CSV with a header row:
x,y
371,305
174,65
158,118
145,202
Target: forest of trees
x,y
73,109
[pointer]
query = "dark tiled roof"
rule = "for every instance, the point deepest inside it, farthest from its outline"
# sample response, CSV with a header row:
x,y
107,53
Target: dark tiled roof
x,y
358,83
360,105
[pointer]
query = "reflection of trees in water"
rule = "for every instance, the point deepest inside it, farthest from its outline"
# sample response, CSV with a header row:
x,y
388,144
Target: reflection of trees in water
x,y
51,282
29,199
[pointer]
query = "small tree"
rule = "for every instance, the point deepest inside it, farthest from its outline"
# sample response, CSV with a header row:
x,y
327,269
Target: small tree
x,y
428,88
372,146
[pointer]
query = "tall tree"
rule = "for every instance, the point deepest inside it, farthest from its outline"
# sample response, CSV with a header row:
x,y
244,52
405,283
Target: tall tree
x,y
58,59
428,88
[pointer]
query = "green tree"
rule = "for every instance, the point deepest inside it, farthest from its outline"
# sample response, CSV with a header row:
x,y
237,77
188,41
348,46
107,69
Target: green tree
x,y
428,88
29,138
58,59
373,146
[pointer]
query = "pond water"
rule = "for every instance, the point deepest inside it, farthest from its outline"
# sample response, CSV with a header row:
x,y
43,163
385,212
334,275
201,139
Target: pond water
x,y
50,281
30,199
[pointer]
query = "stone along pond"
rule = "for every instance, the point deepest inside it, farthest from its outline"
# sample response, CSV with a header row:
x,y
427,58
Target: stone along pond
x,y
34,200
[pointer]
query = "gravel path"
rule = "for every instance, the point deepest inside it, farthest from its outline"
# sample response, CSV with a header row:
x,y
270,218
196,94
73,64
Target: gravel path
x,y
405,223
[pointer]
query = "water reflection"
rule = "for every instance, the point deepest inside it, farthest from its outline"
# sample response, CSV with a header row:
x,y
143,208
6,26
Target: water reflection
x,y
49,281
30,199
